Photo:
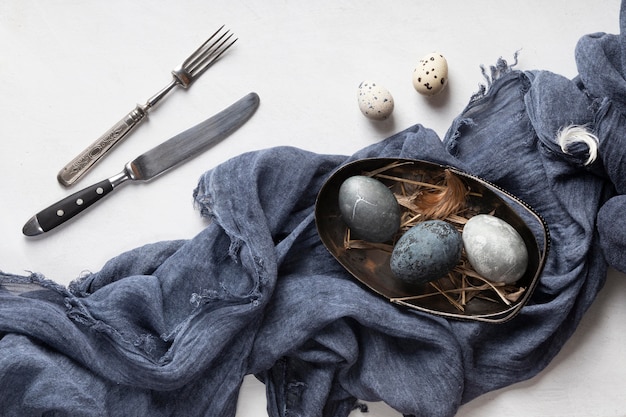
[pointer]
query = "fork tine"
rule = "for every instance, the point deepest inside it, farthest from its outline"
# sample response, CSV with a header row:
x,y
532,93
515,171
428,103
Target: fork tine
x,y
182,76
201,48
202,58
210,56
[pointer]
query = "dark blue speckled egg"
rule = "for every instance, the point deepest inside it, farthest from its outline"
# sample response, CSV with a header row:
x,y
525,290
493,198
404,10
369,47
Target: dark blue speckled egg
x,y
426,252
369,209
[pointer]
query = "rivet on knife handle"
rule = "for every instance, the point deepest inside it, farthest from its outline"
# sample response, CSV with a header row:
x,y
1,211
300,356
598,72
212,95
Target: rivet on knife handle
x,y
67,208
185,74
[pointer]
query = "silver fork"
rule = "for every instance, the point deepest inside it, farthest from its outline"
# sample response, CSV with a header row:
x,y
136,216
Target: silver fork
x,y
184,75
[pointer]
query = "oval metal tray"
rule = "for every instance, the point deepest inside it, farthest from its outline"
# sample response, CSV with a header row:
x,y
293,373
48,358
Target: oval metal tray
x,y
371,267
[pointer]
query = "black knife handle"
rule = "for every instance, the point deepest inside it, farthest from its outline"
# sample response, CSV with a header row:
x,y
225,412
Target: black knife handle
x,y
71,206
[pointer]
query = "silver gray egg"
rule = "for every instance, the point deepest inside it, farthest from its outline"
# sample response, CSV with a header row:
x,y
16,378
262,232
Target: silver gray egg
x,y
427,251
369,208
495,249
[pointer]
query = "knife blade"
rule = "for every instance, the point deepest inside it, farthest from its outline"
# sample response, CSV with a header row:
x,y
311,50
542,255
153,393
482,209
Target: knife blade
x,y
148,165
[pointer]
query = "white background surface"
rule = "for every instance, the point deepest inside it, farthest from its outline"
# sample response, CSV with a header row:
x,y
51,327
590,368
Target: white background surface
x,y
70,69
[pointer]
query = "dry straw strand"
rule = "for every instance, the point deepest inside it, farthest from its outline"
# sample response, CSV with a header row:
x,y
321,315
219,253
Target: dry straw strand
x,y
428,195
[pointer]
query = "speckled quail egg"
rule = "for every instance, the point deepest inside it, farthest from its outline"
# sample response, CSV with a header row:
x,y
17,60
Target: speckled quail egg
x,y
430,76
369,209
375,101
426,252
495,249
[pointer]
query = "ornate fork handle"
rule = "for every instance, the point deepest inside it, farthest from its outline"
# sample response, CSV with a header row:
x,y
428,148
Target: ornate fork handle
x,y
78,166
184,75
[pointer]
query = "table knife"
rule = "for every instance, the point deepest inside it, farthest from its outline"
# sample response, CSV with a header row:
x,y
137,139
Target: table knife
x,y
149,165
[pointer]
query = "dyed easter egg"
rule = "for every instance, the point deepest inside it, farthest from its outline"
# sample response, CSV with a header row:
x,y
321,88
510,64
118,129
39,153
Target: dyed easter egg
x,y
369,209
430,76
426,252
495,249
375,101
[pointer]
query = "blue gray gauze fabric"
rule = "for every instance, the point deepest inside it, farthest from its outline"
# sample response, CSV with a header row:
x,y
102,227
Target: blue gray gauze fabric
x,y
172,328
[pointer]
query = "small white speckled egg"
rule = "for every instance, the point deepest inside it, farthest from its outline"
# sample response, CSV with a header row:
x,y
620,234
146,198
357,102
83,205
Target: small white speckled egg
x,y
430,76
375,101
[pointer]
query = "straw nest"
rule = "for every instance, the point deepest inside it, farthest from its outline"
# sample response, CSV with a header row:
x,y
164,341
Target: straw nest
x,y
438,195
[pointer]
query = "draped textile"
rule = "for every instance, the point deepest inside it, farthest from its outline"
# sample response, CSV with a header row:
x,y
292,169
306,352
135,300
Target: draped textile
x,y
172,328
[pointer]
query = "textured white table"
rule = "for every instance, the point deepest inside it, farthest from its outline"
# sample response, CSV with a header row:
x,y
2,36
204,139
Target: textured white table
x,y
70,69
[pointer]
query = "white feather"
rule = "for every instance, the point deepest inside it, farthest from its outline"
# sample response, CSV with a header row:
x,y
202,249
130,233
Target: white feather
x,y
573,134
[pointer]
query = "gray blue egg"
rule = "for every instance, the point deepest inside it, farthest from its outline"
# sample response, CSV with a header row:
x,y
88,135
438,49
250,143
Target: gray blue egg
x,y
495,249
369,209
426,252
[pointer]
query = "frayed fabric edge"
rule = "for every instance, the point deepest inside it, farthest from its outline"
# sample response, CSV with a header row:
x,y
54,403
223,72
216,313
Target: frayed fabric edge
x,y
496,72
203,202
145,344
75,310
454,134
19,284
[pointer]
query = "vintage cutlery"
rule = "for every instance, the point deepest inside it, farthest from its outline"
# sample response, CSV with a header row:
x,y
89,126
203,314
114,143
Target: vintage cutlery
x,y
148,165
191,68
